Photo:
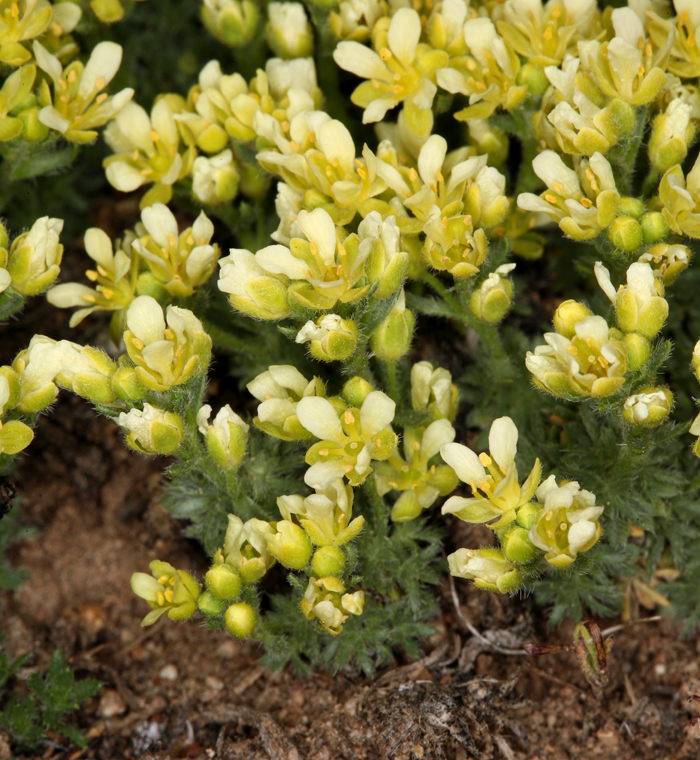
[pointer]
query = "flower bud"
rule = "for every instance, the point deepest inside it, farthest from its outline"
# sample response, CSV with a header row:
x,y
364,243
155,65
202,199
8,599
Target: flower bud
x,y
210,605
152,431
640,306
226,439
241,620
654,227
34,257
37,367
628,206
223,581
434,390
488,568
392,338
126,385
215,180
32,129
356,390
527,514
387,263
532,75
649,407
288,30
328,560
638,351
290,545
233,22
331,338
671,134
10,389
695,360
567,315
108,11
625,233
86,371
490,140
492,300
251,289
14,437
516,545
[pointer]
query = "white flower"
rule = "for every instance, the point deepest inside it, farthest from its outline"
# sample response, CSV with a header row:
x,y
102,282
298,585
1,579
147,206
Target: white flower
x,y
347,444
152,430
73,113
224,417
432,385
288,31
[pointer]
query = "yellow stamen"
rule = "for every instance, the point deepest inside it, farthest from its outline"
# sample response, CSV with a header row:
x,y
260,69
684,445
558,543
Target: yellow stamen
x,y
160,598
485,459
169,595
91,274
349,417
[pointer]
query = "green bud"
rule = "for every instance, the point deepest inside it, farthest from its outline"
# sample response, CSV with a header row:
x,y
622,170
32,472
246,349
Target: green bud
x,y
210,605
241,620
527,515
232,22
407,507
624,115
331,338
356,390
290,545
630,207
488,568
490,140
444,479
649,407
328,560
654,227
288,30
108,11
126,385
638,351
14,437
32,129
14,388
148,284
516,545
392,338
532,75
567,315
625,233
492,300
223,581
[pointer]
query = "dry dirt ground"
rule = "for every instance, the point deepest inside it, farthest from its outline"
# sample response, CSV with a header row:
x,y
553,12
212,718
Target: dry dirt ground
x,y
181,691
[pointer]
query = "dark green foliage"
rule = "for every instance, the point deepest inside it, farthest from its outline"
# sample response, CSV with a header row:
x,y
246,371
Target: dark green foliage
x,y
53,695
11,531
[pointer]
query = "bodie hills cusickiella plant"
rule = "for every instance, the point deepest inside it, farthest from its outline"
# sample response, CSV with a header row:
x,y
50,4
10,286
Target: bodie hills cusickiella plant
x,y
369,211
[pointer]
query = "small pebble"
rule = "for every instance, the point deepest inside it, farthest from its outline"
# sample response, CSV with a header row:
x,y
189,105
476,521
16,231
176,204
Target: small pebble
x,y
111,704
660,669
214,683
168,673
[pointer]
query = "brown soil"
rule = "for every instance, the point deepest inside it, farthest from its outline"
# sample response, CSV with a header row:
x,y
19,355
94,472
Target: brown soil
x,y
181,691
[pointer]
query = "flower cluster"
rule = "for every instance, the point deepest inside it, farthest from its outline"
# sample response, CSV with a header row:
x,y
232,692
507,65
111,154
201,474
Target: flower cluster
x,y
533,521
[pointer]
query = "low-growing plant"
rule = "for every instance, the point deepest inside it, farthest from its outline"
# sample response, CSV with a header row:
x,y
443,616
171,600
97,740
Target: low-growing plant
x,y
53,695
446,178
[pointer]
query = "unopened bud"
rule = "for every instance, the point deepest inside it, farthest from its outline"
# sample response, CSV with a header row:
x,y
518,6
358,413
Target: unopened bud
x,y
492,300
290,545
223,581
628,206
625,233
331,338
328,560
638,351
532,75
233,22
241,620
288,30
14,437
650,407
654,227
567,315
126,386
209,604
32,129
392,338
516,545
356,390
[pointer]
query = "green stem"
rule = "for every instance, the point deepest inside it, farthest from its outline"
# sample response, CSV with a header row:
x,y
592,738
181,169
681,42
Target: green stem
x,y
379,509
444,292
650,182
